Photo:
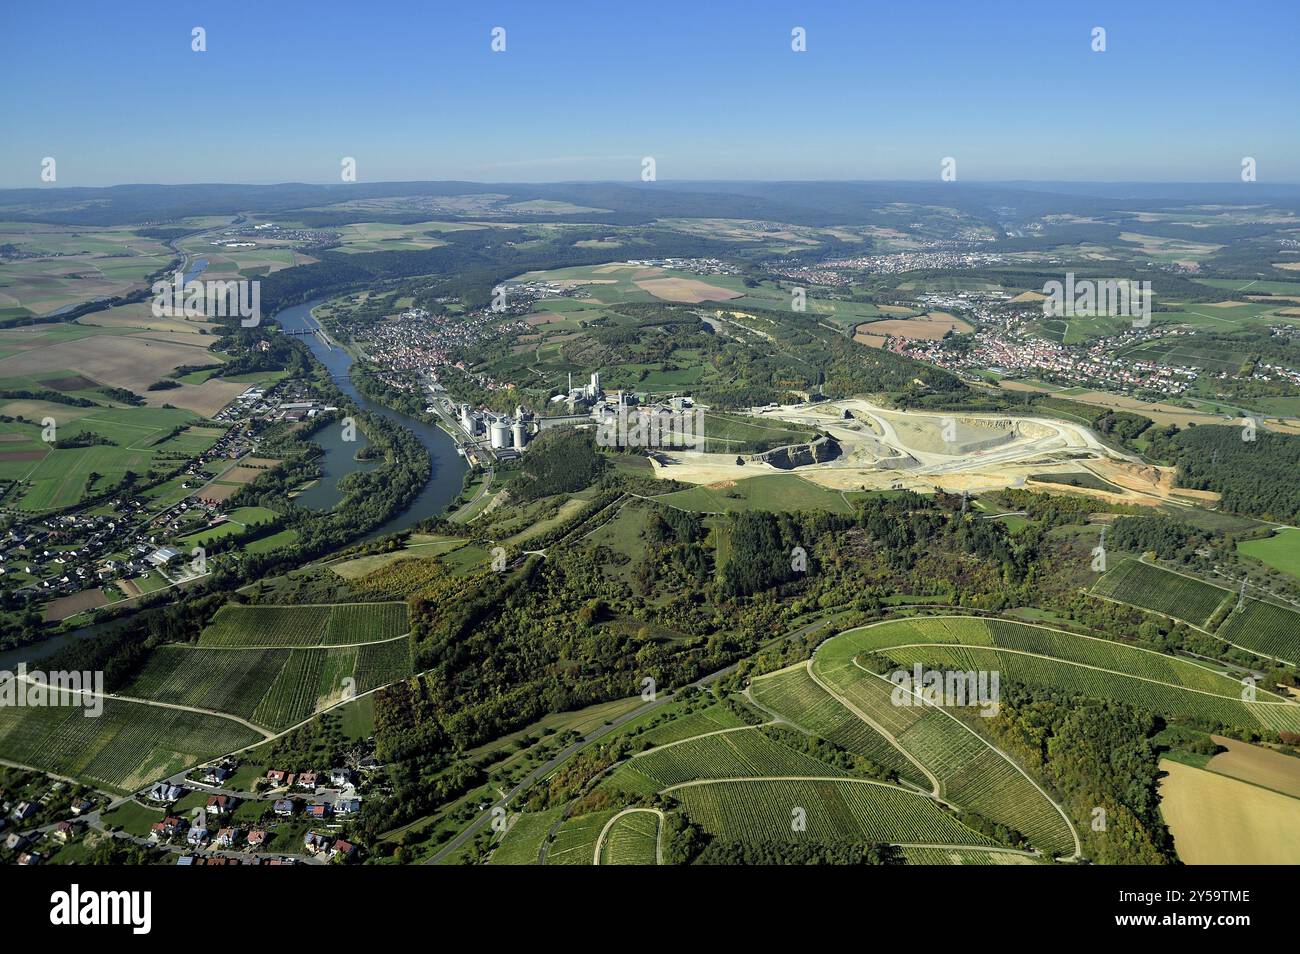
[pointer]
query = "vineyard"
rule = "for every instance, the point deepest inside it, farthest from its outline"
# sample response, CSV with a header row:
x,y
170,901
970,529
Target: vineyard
x,y
1162,591
631,840
523,840
575,841
796,697
1087,665
710,719
971,772
126,747
276,688
284,627
744,753
761,810
1264,628
933,855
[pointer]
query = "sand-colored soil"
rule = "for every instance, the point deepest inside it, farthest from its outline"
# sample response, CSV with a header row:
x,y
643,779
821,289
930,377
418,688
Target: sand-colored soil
x,y
1257,765
931,327
1216,820
688,290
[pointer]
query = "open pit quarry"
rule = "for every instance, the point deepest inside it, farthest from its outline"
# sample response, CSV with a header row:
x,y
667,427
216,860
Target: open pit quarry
x,y
884,449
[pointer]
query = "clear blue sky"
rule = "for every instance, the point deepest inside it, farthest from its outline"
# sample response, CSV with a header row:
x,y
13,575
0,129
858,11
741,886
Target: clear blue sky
x,y
712,90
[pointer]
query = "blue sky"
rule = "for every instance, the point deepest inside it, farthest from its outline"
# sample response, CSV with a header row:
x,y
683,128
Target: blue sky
x,y
712,90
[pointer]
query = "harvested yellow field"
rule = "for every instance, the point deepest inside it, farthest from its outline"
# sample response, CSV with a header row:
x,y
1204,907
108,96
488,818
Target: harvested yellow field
x,y
140,315
1257,765
688,290
1216,820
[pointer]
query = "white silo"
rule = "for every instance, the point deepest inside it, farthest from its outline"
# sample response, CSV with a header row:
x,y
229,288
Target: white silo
x,y
499,433
518,433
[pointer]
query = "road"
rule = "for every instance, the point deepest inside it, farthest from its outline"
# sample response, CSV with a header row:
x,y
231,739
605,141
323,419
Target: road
x,y
549,766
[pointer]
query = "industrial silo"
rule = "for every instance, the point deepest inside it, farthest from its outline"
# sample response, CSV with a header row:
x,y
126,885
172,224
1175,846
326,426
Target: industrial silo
x,y
499,433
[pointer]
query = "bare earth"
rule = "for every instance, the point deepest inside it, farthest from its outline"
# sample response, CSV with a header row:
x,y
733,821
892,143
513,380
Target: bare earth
x,y
884,449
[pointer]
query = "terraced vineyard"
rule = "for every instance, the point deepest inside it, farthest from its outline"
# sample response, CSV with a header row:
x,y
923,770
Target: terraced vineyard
x,y
276,627
575,841
740,754
795,696
1162,591
294,694
523,840
971,772
710,719
934,855
276,688
381,663
126,747
1090,666
222,680
632,840
1265,628
764,811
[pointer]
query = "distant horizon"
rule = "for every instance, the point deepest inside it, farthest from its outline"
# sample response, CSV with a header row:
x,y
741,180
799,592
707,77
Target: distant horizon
x,y
1014,92
661,183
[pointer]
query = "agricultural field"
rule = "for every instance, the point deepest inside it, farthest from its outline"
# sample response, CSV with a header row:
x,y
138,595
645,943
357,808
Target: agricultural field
x,y
1216,820
764,810
271,626
385,237
117,357
925,855
795,696
632,840
69,265
712,719
226,260
575,840
1280,551
1162,591
1264,628
1267,768
237,522
1090,666
929,327
276,688
522,842
743,753
129,745
62,476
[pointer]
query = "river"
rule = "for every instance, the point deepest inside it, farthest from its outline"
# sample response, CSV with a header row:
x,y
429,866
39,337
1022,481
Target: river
x,y
448,467
445,481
